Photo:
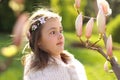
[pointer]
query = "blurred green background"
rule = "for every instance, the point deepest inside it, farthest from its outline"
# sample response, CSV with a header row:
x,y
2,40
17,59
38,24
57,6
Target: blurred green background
x,y
92,60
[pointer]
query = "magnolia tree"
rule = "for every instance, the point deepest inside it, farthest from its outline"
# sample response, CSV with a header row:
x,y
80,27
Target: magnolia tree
x,y
103,11
18,33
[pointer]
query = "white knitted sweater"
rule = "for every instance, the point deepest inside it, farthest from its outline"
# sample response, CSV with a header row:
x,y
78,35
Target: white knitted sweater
x,y
74,70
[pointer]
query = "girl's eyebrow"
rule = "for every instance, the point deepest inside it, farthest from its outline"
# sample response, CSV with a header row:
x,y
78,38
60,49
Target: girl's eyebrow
x,y
54,28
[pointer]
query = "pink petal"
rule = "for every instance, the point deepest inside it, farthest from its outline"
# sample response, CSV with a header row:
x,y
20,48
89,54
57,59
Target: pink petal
x,y
78,24
77,4
105,6
18,29
101,21
109,46
89,28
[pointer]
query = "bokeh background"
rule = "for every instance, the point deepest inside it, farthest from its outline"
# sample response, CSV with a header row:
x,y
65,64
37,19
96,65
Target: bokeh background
x,y
11,10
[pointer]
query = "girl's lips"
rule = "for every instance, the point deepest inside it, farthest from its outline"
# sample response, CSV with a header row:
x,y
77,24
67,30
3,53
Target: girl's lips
x,y
60,43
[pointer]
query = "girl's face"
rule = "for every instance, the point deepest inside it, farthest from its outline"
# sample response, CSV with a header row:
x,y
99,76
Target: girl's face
x,y
52,39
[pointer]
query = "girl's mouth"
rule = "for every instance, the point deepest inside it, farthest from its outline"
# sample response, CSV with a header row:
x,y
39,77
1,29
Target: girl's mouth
x,y
60,43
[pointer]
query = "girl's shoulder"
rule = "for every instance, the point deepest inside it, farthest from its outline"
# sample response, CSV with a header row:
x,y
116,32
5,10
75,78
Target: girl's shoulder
x,y
67,55
27,63
27,58
72,59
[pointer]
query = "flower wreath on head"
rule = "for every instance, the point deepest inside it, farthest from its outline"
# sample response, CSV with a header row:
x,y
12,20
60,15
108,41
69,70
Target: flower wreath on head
x,y
41,20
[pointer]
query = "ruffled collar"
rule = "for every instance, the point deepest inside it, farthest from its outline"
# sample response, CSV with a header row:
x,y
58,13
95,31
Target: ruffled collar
x,y
69,57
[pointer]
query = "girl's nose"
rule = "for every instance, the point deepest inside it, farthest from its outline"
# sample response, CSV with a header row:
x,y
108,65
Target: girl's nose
x,y
60,36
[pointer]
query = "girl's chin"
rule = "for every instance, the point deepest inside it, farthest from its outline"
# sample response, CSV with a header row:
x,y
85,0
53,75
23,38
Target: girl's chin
x,y
61,48
60,51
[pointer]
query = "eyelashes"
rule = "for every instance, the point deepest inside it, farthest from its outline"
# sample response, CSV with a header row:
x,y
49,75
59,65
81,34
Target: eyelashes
x,y
55,32
61,31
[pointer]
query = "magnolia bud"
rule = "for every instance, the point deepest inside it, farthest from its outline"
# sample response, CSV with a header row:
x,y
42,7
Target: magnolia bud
x,y
101,21
109,46
89,28
106,68
78,25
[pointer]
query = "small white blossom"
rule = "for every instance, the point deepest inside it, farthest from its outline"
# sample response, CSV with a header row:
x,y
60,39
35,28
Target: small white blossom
x,y
34,27
42,20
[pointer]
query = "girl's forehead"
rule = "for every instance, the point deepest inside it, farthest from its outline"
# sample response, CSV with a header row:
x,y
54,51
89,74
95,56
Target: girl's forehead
x,y
52,24
53,21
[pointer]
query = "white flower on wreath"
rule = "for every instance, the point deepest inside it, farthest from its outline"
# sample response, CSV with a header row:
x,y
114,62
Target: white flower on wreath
x,y
42,21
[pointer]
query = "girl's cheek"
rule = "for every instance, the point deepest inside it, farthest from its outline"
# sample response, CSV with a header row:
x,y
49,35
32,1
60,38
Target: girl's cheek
x,y
51,37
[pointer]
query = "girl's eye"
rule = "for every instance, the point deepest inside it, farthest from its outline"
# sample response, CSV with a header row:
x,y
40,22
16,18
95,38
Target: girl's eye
x,y
53,32
61,31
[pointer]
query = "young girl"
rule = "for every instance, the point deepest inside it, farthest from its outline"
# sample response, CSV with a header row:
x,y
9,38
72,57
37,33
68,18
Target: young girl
x,y
48,60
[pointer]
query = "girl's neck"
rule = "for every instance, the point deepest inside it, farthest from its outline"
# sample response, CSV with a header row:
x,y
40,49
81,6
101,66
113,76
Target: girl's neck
x,y
57,57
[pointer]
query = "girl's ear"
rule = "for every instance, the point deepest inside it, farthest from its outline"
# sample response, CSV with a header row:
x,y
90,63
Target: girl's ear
x,y
39,43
